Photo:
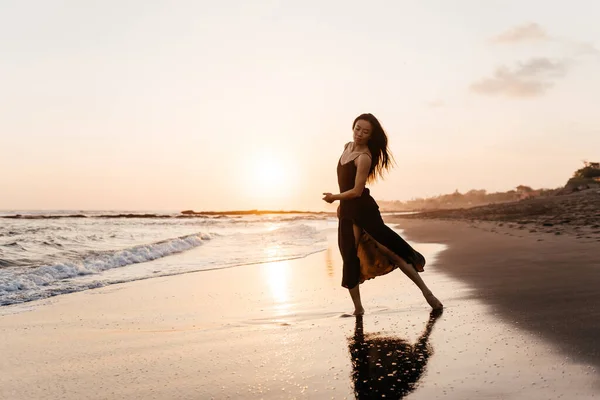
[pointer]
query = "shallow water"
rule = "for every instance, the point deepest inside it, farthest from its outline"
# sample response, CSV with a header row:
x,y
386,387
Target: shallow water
x,y
43,257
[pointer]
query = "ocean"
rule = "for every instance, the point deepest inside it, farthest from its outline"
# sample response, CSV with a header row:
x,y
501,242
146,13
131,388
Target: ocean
x,y
44,254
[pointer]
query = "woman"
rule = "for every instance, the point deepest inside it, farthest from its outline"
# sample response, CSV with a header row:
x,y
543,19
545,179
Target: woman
x,y
369,248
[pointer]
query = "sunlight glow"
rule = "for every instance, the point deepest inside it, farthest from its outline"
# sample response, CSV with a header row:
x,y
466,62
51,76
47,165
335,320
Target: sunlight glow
x,y
269,174
269,178
277,279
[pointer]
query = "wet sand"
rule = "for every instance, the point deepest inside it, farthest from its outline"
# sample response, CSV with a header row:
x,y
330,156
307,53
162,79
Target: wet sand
x,y
274,331
539,281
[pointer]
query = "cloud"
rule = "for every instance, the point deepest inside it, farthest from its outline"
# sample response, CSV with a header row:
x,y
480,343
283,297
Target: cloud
x,y
534,32
527,79
583,48
521,33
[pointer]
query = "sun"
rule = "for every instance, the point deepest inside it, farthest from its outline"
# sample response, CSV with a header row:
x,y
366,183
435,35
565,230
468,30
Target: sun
x,y
269,174
269,178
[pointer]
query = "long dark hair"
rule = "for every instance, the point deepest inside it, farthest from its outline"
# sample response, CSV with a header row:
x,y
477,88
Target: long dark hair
x,y
378,146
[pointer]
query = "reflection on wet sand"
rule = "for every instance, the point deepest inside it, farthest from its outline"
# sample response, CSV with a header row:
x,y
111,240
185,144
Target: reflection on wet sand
x,y
386,366
329,262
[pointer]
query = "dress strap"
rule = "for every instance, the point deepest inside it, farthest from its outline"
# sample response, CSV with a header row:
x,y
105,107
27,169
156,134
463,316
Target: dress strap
x,y
360,154
352,160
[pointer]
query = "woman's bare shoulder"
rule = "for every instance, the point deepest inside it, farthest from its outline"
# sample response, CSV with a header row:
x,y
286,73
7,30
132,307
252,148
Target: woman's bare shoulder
x,y
364,158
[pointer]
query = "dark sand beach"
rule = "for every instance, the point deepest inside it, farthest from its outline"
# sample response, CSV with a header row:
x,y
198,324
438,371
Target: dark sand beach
x,y
576,214
542,282
521,322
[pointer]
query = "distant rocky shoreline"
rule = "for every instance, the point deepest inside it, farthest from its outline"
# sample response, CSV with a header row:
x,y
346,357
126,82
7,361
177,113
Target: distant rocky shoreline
x,y
576,213
183,214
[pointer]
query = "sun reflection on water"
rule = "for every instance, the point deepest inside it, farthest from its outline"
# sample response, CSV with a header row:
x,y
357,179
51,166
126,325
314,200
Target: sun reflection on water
x,y
272,252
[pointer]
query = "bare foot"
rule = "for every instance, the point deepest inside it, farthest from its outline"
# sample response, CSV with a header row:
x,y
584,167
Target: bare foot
x,y
357,313
433,301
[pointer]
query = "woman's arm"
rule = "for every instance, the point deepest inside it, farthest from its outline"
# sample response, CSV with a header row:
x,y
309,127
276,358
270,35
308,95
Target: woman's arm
x,y
363,165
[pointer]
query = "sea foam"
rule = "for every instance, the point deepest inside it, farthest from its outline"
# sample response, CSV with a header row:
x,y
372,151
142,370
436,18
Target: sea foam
x,y
13,283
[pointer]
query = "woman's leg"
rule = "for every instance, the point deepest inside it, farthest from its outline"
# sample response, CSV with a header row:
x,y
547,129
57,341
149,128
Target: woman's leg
x,y
351,269
399,251
414,276
355,291
355,295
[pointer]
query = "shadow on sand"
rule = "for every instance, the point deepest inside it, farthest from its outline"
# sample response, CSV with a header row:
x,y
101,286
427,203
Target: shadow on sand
x,y
386,366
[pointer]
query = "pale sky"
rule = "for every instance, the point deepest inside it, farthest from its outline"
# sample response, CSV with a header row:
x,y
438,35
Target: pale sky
x,y
215,105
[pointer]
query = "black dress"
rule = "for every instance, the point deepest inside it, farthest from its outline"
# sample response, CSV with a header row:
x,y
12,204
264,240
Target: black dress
x,y
363,211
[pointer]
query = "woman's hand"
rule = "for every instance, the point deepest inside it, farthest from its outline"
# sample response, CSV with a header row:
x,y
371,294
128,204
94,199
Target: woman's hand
x,y
328,197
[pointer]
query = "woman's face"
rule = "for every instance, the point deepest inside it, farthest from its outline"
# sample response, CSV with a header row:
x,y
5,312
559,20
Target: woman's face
x,y
362,132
